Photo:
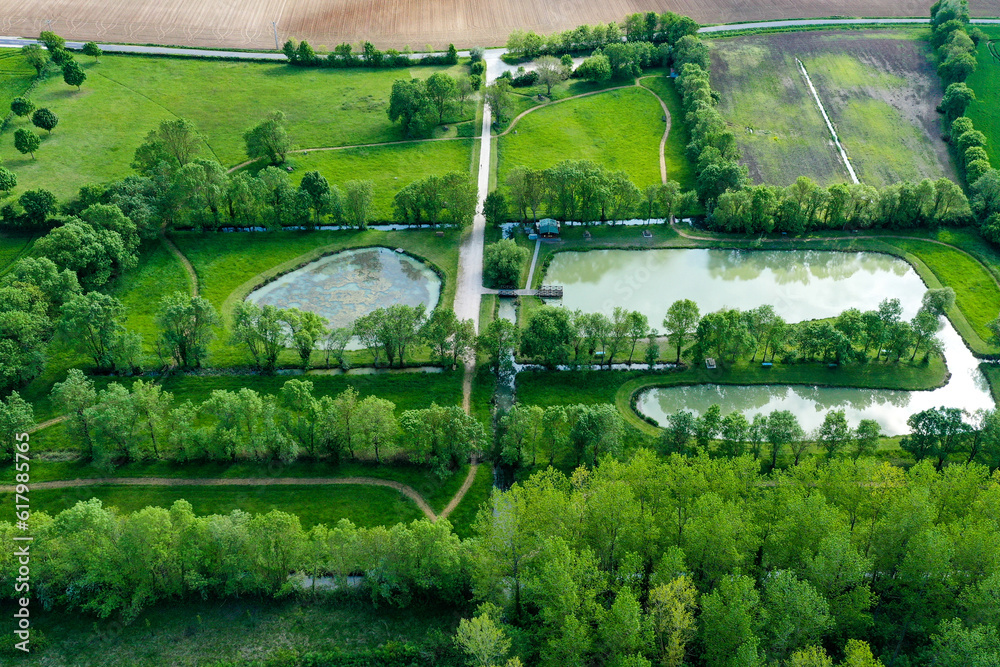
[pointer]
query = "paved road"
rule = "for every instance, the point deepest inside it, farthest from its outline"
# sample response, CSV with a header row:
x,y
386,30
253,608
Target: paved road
x,y
468,292
499,64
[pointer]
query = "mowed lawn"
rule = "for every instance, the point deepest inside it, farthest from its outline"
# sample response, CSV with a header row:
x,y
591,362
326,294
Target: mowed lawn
x,y
125,97
364,505
15,77
388,167
986,84
159,274
619,129
878,87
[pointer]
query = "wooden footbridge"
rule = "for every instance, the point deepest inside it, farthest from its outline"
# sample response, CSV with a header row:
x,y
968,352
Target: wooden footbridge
x,y
543,292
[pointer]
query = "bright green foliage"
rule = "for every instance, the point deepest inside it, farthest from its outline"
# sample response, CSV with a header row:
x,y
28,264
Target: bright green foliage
x,y
22,106
268,141
187,326
93,50
548,336
73,74
307,330
261,331
26,141
502,262
44,119
442,437
16,418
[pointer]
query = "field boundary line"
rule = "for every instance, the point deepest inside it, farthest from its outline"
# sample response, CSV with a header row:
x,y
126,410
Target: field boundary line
x,y
340,148
407,491
155,103
829,124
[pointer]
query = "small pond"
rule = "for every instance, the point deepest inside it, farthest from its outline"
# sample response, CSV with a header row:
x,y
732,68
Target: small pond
x,y
800,285
353,283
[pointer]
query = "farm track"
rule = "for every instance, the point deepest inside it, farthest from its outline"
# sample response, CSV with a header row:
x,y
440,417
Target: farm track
x,y
395,23
185,262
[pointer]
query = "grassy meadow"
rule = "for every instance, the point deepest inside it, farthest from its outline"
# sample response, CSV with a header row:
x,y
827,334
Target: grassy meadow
x,y
985,81
124,97
619,129
879,88
678,167
15,77
390,168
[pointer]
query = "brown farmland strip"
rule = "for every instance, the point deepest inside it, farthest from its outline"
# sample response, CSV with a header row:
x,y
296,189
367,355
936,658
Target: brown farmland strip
x,y
393,23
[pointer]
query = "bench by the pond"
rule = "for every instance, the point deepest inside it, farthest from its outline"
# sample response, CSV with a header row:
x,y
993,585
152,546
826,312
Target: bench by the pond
x,y
550,292
710,363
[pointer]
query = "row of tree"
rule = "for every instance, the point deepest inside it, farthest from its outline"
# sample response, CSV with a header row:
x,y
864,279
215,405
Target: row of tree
x,y
734,435
668,28
678,561
419,105
582,190
302,54
119,424
805,206
555,336
955,42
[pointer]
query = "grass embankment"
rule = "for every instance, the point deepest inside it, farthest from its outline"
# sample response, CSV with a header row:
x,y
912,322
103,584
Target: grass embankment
x,y
879,88
985,81
230,266
189,633
619,129
159,274
125,97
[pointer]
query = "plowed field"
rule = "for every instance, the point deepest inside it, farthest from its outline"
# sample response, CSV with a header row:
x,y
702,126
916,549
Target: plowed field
x,y
393,23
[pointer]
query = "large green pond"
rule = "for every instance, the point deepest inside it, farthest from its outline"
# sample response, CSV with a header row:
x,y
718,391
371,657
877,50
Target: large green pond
x,y
353,283
800,285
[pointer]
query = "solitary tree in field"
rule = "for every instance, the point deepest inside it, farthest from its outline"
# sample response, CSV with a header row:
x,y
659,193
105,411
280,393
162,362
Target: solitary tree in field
x,y
26,141
409,103
550,72
268,140
93,50
498,96
681,322
45,119
21,106
174,142
36,56
358,196
73,74
442,90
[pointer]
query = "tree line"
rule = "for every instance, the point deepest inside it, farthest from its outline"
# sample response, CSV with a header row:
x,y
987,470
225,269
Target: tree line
x,y
120,424
581,190
301,54
555,336
954,42
681,561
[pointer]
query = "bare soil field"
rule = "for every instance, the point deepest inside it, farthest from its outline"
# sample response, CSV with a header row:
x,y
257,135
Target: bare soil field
x,y
393,23
879,87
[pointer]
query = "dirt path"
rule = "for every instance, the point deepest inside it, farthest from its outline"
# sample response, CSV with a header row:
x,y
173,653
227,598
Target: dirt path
x,y
407,491
466,485
47,423
188,267
666,129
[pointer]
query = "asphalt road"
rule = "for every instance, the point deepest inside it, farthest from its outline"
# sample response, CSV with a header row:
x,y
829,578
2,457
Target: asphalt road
x,y
272,55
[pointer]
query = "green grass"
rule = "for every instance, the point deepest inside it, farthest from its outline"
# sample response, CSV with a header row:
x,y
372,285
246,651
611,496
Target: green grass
x,y
619,129
388,167
159,274
15,77
230,266
195,633
364,505
985,81
126,96
678,166
976,291
465,514
13,246
878,87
